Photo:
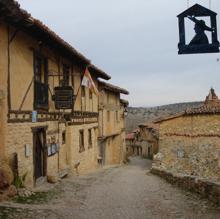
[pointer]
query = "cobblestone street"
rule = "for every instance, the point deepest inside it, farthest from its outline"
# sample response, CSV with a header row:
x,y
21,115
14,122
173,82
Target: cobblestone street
x,y
126,192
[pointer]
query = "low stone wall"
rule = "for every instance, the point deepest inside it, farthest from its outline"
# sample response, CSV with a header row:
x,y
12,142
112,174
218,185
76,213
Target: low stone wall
x,y
205,188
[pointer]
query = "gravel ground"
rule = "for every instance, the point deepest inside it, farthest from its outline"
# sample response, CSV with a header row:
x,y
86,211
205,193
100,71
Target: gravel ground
x,y
124,192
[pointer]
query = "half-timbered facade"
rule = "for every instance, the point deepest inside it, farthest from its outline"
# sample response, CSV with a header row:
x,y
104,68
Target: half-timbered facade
x,y
48,121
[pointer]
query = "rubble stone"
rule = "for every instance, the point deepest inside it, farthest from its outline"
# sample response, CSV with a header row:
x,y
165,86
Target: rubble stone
x,y
203,187
25,192
11,191
52,179
6,175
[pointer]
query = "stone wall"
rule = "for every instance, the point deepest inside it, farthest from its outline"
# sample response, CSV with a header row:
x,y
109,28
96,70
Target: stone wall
x,y
110,113
21,135
205,188
149,141
190,145
88,157
114,150
111,127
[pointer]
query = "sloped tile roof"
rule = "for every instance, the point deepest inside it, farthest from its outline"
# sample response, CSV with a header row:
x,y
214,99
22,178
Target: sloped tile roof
x,y
12,11
113,88
211,105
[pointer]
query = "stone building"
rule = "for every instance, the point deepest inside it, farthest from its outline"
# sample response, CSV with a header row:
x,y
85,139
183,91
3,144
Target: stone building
x,y
134,143
129,144
149,136
189,143
111,123
48,122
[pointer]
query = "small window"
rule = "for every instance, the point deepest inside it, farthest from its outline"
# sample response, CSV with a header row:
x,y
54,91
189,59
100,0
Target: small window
x,y
90,138
40,82
108,116
81,141
90,94
64,137
40,68
83,91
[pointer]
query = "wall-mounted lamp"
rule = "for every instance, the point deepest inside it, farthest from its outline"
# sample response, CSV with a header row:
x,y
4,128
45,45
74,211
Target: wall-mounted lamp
x,y
125,112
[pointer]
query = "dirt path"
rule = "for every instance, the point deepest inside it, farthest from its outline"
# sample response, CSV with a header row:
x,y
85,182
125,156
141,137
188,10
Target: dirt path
x,y
127,192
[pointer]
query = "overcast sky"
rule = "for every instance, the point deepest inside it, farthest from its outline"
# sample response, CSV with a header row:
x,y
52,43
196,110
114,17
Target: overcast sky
x,y
135,41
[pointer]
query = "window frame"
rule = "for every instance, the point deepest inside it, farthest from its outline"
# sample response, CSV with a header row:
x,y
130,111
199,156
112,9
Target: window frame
x,y
40,82
64,137
90,94
89,138
81,141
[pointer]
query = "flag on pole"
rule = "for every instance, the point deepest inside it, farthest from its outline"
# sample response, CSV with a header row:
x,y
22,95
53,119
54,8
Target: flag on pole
x,y
88,82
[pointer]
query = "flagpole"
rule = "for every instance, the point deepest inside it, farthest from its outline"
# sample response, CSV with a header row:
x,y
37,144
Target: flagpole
x,y
80,85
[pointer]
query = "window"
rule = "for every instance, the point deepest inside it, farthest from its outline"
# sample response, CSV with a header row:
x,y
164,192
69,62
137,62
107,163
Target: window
x,y
81,141
64,137
40,82
83,91
108,116
38,69
66,75
90,138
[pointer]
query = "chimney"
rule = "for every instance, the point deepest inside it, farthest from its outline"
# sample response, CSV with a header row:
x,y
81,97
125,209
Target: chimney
x,y
212,98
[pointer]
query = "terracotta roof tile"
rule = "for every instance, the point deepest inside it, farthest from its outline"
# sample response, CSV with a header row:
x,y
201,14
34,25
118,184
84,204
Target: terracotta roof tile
x,y
98,72
130,136
124,102
205,109
211,105
113,88
14,10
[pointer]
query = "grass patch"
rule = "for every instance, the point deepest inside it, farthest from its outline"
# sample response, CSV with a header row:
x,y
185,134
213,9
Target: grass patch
x,y
11,213
7,213
38,198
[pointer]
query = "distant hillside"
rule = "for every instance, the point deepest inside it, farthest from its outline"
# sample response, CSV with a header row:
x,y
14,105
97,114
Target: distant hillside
x,y
137,115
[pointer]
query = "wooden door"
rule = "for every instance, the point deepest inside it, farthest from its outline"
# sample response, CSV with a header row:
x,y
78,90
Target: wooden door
x,y
39,153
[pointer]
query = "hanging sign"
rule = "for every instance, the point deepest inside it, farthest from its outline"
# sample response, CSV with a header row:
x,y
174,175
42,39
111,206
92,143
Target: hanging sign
x,y
64,97
200,42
